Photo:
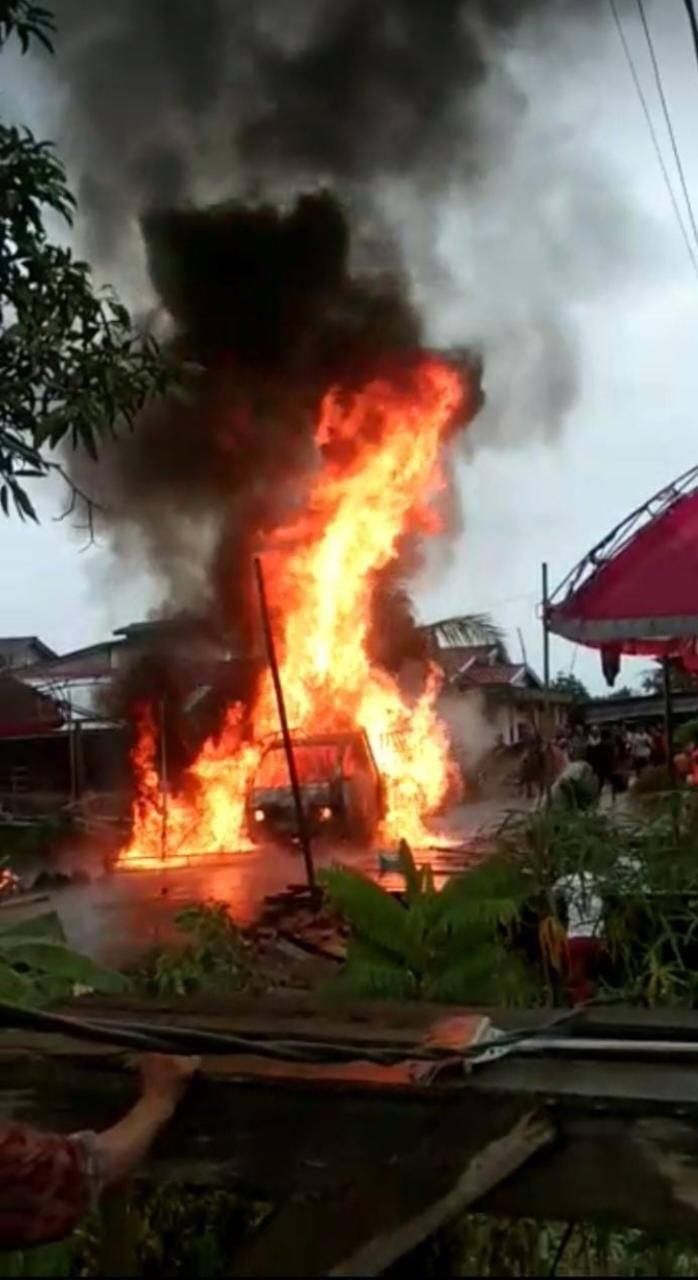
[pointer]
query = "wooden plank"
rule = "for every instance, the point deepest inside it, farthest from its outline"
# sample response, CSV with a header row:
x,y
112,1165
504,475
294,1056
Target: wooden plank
x,y
485,1171
371,1192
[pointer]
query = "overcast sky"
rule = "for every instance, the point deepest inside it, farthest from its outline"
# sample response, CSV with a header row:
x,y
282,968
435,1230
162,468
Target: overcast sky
x,y
631,429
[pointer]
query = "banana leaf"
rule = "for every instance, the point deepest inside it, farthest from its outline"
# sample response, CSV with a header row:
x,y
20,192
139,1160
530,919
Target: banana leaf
x,y
368,971
472,978
484,898
15,987
60,963
47,926
407,865
375,916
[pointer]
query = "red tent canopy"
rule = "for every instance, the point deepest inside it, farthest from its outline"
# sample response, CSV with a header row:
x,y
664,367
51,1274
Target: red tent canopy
x,y
637,591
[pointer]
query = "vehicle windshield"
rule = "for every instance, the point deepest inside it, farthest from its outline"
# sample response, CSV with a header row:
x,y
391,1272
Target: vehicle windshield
x,y
315,762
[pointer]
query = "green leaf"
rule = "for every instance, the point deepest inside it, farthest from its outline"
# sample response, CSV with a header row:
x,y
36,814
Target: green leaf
x,y
413,880
374,914
371,973
15,987
61,963
23,503
472,978
47,927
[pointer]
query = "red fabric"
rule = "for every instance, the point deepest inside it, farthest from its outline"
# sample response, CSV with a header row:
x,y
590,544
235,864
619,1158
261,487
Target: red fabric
x,y
582,955
655,576
44,1186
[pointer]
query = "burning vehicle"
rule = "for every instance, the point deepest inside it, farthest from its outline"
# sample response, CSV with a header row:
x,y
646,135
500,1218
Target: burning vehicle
x,y
341,788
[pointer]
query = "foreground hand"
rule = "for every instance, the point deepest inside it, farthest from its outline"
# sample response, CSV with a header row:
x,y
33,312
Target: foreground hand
x,y
167,1077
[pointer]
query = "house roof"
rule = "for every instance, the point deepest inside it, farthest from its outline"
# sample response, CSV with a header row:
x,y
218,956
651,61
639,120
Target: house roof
x,y
456,658
93,660
11,646
498,673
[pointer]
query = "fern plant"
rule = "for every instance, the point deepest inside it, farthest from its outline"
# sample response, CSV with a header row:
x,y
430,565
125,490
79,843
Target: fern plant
x,y
448,945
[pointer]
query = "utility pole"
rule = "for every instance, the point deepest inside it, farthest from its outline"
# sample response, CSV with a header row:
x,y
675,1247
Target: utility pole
x,y
303,834
546,639
546,675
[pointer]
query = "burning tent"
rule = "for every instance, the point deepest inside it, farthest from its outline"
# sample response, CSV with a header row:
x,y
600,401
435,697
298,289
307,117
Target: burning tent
x,y
636,592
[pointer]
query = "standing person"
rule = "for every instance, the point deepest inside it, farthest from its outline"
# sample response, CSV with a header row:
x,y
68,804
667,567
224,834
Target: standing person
x,y
592,753
601,757
48,1181
621,763
658,752
577,749
642,750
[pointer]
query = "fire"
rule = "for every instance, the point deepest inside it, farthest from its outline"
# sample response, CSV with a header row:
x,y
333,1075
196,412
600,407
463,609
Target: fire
x,y
379,454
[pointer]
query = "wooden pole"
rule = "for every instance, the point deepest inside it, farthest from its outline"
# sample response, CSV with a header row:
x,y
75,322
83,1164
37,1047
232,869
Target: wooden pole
x,y
546,674
303,834
163,780
546,637
71,755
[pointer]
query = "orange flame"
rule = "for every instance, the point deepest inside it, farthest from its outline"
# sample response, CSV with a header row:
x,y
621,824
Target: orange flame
x,y
379,468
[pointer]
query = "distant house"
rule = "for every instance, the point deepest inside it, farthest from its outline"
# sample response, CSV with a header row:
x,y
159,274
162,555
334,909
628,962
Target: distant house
x,y
24,710
486,694
22,651
56,698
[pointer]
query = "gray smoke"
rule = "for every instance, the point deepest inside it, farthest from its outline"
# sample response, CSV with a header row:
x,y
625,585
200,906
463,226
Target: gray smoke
x,y
173,100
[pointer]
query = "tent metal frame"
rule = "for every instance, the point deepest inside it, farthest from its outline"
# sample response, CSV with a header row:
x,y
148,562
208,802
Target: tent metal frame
x,y
622,534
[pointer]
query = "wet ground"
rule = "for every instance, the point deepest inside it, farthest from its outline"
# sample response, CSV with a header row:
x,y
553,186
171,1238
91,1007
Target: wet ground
x,y
119,916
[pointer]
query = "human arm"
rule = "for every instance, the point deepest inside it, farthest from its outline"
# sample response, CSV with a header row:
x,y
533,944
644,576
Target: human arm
x,y
49,1180
120,1149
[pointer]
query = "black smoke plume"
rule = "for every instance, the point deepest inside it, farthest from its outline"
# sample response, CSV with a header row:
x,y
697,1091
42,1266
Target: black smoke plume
x,y
253,145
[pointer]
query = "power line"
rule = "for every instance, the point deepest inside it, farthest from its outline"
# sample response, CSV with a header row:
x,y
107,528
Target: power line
x,y
653,135
667,117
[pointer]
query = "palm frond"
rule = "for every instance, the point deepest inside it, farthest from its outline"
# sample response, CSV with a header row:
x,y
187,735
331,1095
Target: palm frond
x,y
464,629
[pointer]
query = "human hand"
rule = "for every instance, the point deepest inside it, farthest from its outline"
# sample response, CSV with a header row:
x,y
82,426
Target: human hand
x,y
166,1077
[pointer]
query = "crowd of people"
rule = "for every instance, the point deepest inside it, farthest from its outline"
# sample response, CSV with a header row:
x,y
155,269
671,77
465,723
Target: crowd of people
x,y
616,755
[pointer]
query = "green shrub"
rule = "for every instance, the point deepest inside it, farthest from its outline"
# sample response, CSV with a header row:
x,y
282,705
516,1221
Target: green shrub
x,y
212,959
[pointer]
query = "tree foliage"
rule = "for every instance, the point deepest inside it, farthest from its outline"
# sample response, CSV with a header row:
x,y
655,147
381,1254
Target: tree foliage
x,y
569,684
681,681
71,365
